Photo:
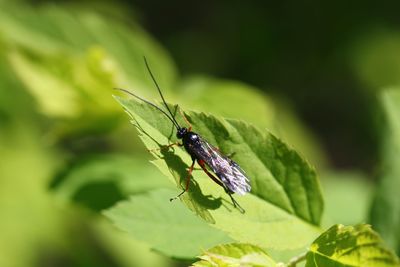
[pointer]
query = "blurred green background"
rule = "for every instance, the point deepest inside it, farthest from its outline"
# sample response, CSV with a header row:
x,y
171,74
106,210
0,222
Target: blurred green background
x,y
310,72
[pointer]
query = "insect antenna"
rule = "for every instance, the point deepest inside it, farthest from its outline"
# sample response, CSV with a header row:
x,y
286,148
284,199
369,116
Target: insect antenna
x,y
159,91
151,104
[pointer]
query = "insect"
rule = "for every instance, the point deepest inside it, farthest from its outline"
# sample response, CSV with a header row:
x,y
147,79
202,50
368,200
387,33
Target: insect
x,y
228,173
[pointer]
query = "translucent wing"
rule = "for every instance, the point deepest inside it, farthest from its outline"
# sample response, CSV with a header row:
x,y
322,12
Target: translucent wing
x,y
228,171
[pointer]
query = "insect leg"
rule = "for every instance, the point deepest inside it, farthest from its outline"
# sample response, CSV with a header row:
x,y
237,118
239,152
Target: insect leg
x,y
165,147
235,203
203,166
215,179
187,182
186,120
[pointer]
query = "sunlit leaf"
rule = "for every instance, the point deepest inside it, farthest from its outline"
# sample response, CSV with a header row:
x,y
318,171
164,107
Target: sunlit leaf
x,y
222,97
55,96
51,30
285,204
167,227
235,255
125,250
350,246
69,62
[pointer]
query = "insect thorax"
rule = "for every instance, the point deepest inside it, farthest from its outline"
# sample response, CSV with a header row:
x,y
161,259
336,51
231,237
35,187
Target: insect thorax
x,y
191,141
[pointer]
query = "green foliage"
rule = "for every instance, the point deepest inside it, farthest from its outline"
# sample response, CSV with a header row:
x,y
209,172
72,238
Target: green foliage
x,y
258,108
350,246
25,173
127,251
385,213
60,128
100,181
284,186
376,60
347,197
356,246
220,97
47,31
70,78
168,227
57,70
260,153
235,255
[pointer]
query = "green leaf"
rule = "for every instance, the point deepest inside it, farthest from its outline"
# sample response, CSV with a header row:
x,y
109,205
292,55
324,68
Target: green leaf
x,y
168,227
62,102
73,90
259,109
285,204
55,29
235,255
350,246
125,250
99,181
69,62
385,213
128,46
289,127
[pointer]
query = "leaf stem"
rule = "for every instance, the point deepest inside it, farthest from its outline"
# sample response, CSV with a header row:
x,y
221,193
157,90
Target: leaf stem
x,y
293,261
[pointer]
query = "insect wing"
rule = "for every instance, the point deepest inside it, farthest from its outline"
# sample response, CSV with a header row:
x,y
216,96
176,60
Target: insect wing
x,y
229,172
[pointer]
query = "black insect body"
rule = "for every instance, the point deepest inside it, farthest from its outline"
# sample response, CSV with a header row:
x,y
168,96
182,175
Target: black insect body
x,y
232,177
228,173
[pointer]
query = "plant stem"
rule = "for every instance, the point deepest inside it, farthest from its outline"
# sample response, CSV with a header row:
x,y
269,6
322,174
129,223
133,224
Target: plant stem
x,y
293,261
